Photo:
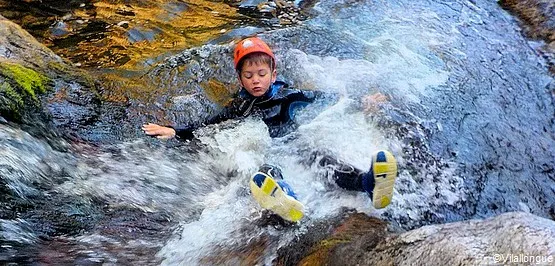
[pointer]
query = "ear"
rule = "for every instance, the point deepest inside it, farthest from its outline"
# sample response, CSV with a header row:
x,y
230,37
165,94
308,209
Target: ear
x,y
240,81
274,76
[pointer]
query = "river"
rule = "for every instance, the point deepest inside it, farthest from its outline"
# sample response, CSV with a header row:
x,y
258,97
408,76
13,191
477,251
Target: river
x,y
470,119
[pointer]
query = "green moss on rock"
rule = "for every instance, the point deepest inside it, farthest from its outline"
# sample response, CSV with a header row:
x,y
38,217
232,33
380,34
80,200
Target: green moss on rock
x,y
19,87
11,94
30,81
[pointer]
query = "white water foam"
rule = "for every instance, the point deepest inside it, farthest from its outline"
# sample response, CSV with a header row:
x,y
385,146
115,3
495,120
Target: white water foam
x,y
227,219
403,74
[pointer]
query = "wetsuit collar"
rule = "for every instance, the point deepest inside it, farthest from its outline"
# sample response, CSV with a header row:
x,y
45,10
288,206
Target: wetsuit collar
x,y
272,91
252,101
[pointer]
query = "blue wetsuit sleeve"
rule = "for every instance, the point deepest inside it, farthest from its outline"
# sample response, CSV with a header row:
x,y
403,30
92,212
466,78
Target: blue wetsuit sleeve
x,y
310,96
304,97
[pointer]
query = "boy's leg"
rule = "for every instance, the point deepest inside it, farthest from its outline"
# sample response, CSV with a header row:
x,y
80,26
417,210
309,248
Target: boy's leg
x,y
345,175
275,173
378,182
272,193
271,170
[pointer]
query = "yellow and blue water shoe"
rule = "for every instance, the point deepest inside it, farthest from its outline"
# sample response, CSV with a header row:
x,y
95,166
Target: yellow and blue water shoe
x,y
383,173
276,196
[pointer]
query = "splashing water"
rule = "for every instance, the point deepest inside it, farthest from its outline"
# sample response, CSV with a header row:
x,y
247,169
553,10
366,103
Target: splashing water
x,y
207,190
399,61
230,215
203,185
17,231
229,221
407,79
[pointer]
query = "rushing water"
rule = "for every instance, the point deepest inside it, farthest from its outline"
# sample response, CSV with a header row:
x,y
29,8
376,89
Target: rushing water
x,y
463,87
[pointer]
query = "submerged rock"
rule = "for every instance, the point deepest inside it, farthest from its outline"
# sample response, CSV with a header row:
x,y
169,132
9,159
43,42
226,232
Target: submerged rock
x,y
251,3
120,34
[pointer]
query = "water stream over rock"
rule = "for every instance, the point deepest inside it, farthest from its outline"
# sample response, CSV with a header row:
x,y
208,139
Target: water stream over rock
x,y
470,118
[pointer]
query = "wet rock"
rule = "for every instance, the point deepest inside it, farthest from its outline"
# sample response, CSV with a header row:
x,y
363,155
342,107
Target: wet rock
x,y
238,33
538,21
364,240
20,88
317,245
124,24
252,4
47,95
537,15
266,9
273,12
122,236
85,32
60,29
250,254
18,45
190,95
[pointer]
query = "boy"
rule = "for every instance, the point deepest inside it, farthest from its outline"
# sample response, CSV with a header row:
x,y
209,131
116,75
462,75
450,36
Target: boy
x,y
275,102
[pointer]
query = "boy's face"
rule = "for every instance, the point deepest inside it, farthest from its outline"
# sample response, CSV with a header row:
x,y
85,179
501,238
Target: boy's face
x,y
256,78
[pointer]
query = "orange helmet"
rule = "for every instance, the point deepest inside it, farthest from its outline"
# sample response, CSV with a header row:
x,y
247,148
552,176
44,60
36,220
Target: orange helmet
x,y
249,46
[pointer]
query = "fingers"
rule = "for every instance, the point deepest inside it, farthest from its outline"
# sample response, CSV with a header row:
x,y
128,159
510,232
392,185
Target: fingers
x,y
150,126
158,131
153,129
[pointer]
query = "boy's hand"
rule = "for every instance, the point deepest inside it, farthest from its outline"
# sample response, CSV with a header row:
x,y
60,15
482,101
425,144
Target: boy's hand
x,y
371,103
158,131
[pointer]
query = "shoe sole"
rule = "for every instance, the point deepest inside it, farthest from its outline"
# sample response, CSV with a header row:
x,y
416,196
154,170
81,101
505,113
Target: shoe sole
x,y
384,168
270,196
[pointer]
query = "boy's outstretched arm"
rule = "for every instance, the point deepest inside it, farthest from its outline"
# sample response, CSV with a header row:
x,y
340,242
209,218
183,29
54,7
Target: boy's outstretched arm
x,y
186,132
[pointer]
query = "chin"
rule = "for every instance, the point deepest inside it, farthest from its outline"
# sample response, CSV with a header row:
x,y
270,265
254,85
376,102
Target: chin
x,y
258,93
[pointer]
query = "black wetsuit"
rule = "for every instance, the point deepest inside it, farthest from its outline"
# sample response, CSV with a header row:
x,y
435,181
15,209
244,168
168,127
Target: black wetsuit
x,y
277,108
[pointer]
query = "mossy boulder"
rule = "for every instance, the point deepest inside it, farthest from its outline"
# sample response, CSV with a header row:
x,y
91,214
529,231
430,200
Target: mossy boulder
x,y
43,93
19,88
